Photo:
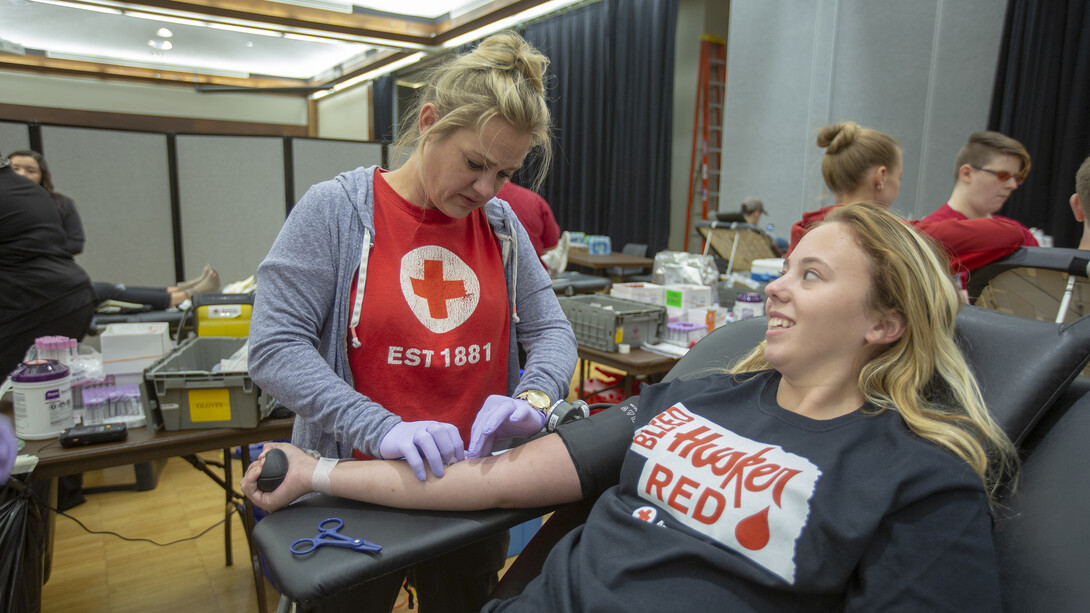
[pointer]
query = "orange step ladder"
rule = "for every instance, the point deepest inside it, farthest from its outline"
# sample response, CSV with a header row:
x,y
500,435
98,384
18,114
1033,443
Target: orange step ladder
x,y
711,90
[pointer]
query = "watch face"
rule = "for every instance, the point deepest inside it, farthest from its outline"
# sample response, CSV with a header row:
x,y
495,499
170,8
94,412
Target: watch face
x,y
537,399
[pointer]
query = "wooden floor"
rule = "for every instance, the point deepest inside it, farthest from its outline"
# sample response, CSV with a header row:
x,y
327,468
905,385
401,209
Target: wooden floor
x,y
95,573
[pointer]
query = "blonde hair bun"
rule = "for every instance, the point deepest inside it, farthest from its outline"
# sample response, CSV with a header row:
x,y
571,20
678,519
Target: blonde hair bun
x,y
837,136
503,77
507,51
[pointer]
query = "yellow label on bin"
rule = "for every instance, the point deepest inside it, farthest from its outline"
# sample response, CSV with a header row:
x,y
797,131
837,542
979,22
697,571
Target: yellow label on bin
x,y
209,405
618,337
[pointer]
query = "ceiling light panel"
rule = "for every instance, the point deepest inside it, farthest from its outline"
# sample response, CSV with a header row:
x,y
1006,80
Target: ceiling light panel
x,y
123,39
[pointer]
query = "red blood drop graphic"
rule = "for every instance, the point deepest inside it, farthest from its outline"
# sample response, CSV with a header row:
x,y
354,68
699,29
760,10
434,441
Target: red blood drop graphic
x,y
752,532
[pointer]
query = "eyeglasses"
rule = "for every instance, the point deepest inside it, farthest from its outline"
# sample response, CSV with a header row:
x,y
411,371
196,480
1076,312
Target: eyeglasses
x,y
1002,175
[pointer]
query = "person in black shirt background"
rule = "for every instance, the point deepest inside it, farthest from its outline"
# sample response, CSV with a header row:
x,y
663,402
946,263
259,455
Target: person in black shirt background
x,y
43,291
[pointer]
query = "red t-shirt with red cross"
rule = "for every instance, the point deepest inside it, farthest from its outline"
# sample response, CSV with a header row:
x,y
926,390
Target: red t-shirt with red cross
x,y
435,325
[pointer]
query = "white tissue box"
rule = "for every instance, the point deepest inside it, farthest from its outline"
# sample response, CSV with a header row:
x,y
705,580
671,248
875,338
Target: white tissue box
x,y
130,348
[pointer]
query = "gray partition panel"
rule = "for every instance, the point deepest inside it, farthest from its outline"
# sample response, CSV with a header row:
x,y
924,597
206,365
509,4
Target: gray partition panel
x,y
919,71
13,136
120,183
232,199
882,83
316,160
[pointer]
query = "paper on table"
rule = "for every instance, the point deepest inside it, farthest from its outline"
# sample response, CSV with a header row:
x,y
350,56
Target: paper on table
x,y
667,349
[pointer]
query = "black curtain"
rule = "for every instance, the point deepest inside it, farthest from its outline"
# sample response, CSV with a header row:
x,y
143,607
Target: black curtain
x,y
1042,98
612,69
382,95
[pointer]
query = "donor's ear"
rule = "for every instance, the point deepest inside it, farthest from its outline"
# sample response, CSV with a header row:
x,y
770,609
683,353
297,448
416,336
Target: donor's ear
x,y
887,329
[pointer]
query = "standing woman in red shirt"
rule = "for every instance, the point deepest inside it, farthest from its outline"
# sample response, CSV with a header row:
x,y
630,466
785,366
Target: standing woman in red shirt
x,y
392,304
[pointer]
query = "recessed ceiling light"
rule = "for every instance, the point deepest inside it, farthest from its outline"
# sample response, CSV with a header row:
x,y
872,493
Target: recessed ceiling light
x,y
162,45
164,33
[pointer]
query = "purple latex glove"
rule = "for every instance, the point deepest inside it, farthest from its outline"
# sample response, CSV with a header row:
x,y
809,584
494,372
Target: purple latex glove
x,y
436,442
8,449
502,417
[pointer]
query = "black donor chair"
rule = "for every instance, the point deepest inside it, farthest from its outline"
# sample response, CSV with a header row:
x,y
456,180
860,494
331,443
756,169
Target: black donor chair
x,y
1049,284
1029,374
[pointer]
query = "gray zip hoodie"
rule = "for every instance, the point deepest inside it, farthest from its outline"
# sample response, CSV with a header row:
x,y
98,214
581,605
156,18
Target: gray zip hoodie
x,y
298,344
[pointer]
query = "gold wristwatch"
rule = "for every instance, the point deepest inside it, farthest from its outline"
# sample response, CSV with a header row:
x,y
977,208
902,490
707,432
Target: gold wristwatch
x,y
537,399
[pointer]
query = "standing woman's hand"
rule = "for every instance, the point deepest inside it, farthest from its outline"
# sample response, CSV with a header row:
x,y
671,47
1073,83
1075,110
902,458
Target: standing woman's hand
x,y
438,443
502,417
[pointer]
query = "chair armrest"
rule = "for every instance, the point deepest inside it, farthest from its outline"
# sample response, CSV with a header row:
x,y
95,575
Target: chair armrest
x,y
407,537
529,563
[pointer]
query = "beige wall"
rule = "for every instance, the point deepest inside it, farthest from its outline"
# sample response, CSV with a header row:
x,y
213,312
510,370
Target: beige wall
x,y
121,97
346,115
695,17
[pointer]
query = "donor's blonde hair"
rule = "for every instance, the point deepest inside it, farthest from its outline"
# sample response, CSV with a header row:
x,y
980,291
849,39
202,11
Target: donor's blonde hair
x,y
503,77
923,375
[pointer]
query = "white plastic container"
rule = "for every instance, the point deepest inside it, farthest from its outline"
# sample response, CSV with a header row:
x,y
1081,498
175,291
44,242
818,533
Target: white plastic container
x,y
42,393
640,292
748,305
770,267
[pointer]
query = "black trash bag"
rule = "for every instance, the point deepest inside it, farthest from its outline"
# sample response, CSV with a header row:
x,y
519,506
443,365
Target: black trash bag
x,y
22,541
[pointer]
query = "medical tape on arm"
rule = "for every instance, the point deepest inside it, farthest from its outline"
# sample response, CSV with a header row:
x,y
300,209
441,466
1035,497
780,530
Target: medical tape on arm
x,y
319,481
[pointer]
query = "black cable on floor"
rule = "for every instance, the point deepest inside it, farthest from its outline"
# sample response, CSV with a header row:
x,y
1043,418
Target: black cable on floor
x,y
22,488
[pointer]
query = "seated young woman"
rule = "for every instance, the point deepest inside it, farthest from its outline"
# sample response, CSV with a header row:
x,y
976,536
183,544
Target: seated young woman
x,y
846,464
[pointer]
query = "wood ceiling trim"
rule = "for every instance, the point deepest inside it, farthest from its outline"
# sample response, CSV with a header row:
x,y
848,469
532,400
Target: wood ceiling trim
x,y
145,123
53,66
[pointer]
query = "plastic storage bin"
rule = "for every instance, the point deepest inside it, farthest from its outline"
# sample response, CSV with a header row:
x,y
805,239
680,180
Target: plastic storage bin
x,y
223,314
184,393
603,322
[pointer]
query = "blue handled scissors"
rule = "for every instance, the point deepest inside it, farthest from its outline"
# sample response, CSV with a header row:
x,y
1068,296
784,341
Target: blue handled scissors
x,y
329,533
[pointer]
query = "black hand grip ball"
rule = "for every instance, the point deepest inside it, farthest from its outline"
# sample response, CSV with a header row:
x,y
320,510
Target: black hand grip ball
x,y
273,471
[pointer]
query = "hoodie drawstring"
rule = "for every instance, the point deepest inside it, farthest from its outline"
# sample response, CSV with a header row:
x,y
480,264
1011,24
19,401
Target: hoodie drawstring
x,y
361,278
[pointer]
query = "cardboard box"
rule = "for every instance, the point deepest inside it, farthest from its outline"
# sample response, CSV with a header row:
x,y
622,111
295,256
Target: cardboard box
x,y
130,348
712,316
680,297
640,292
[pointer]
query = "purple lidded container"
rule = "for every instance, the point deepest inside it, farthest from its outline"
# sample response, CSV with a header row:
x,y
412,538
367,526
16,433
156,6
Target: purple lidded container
x,y
42,391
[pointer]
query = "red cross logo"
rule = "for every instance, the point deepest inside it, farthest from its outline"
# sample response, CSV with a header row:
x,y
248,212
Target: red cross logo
x,y
646,514
440,289
437,290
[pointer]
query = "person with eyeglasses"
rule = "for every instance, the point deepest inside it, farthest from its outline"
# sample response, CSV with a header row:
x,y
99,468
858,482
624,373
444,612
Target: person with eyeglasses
x,y
863,164
987,170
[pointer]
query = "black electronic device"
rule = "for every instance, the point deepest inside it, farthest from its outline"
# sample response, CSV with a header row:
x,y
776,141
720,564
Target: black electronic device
x,y
563,412
88,435
273,471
